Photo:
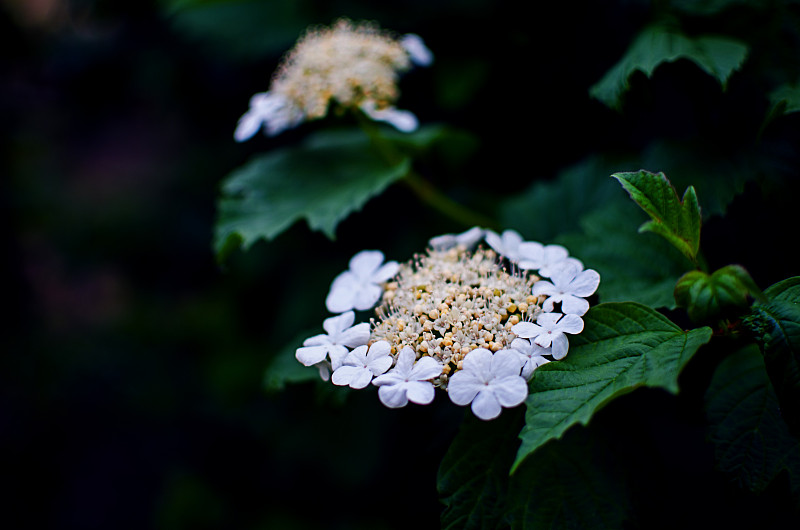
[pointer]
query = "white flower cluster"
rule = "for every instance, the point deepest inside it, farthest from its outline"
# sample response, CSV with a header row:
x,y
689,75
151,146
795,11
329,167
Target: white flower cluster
x,y
352,65
473,323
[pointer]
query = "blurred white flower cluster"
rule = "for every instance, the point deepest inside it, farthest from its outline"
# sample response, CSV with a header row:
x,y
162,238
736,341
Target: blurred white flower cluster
x,y
354,65
475,323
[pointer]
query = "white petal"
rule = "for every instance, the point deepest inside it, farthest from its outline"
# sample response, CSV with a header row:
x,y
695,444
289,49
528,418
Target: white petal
x,y
248,125
318,340
545,339
485,405
573,305
419,392
463,387
527,330
386,271
367,296
393,396
358,335
417,51
505,363
360,379
510,391
554,268
402,120
324,370
343,292
344,375
479,361
494,241
471,237
334,325
548,320
531,255
311,355
443,242
560,347
543,287
570,324
337,354
405,362
586,283
426,368
365,263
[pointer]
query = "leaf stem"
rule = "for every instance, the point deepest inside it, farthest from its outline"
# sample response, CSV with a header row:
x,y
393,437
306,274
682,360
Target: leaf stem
x,y
424,189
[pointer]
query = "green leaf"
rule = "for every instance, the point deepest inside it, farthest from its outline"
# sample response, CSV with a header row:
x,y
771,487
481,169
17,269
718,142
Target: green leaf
x,y
633,267
622,347
776,325
717,56
323,181
718,295
549,208
676,220
750,439
473,475
575,482
286,369
787,96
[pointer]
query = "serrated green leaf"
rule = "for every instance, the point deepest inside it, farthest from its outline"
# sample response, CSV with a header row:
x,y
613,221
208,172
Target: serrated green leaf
x,y
750,439
574,482
473,476
776,325
787,96
623,346
718,295
633,267
717,56
323,181
676,220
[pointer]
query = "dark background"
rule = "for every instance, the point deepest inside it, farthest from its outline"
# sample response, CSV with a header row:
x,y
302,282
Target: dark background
x,y
131,383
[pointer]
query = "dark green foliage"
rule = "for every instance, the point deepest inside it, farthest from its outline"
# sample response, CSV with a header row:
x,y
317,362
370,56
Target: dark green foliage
x,y
722,294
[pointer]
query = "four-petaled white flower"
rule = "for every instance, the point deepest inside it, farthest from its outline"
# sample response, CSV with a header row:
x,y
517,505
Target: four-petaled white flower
x,y
360,286
547,259
272,110
569,286
362,364
531,356
548,331
408,381
506,245
489,382
341,335
466,239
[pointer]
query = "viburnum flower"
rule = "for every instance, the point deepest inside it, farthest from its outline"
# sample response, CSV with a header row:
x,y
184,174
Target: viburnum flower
x,y
408,380
351,65
362,364
506,245
569,286
549,330
488,381
333,346
457,318
360,286
531,354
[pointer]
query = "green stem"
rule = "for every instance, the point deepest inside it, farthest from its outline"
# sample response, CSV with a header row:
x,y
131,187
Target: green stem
x,y
425,191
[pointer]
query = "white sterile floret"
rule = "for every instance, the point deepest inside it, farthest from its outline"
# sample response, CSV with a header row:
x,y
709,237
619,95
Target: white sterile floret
x,y
362,364
408,381
506,245
402,120
274,111
548,331
548,260
531,355
417,51
333,347
570,285
345,66
489,382
467,239
360,286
